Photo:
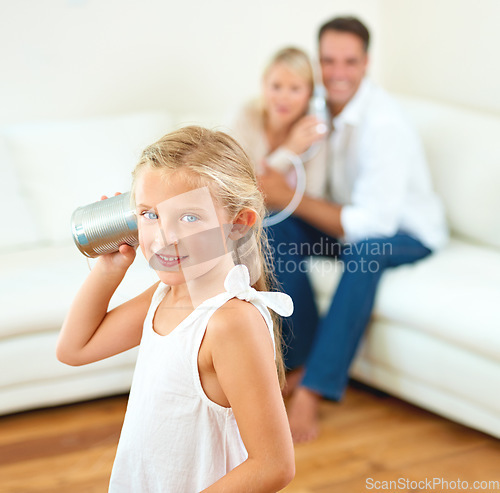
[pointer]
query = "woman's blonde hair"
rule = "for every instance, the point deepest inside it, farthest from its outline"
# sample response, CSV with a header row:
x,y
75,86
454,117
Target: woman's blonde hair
x,y
295,60
214,159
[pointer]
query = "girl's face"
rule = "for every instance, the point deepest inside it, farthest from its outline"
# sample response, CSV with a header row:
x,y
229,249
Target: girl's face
x,y
286,95
183,232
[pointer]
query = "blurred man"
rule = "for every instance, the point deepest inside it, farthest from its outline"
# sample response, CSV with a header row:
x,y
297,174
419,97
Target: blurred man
x,y
379,211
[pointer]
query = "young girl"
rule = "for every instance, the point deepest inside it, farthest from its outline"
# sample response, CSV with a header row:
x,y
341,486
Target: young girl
x,y
205,411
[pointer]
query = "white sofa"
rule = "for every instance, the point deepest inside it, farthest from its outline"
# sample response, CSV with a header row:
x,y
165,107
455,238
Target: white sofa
x,y
434,338
435,335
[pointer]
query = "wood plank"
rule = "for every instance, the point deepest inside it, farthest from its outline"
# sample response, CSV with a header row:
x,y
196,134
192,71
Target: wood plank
x,y
86,470
62,419
481,464
59,444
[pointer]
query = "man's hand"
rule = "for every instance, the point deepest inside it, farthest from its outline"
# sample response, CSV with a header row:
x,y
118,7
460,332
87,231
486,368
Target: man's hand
x,y
276,190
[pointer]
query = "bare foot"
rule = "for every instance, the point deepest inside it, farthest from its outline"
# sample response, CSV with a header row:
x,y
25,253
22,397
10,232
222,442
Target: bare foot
x,y
303,415
293,378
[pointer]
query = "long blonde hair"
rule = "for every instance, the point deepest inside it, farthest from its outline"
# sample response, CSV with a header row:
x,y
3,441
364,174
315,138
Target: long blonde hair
x,y
214,159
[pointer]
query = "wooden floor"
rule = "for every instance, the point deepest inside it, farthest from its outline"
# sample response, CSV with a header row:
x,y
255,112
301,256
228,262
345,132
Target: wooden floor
x,y
369,437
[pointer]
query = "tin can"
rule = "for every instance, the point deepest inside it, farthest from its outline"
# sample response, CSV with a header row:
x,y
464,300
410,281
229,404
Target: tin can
x,y
101,227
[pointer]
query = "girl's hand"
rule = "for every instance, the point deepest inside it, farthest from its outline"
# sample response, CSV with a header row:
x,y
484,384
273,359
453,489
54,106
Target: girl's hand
x,y
117,262
304,133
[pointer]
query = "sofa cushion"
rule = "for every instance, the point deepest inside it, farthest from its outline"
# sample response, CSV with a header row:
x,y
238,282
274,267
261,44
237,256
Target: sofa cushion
x,y
19,229
63,165
433,361
463,150
452,295
77,385
438,376
34,358
38,286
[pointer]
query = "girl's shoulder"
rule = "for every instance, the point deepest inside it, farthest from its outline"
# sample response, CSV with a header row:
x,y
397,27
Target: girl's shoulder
x,y
237,322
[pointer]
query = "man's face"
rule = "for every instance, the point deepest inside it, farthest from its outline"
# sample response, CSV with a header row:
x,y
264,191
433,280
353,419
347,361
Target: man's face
x,y
343,65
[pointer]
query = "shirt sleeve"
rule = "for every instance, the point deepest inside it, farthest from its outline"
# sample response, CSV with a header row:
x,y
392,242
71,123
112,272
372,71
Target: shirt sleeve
x,y
385,154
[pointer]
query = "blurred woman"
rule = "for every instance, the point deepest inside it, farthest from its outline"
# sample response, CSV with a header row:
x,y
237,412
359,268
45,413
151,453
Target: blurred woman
x,y
277,126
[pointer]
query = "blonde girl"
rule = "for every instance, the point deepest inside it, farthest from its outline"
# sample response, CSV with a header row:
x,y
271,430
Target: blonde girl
x,y
205,411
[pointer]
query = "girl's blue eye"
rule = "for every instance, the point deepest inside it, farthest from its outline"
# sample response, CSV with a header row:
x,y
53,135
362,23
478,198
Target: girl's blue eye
x,y
149,215
189,218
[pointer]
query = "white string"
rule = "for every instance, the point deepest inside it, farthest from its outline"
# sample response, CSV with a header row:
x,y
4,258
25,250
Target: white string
x,y
297,197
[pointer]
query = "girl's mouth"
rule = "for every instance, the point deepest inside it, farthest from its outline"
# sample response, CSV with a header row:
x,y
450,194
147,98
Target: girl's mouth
x,y
169,260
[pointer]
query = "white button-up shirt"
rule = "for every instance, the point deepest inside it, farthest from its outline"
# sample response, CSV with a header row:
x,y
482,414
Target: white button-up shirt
x,y
379,174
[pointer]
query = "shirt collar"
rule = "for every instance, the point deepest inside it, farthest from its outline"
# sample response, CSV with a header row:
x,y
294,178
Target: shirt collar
x,y
353,110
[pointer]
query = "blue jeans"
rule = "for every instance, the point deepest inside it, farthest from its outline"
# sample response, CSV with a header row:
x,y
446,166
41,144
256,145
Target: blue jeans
x,y
327,346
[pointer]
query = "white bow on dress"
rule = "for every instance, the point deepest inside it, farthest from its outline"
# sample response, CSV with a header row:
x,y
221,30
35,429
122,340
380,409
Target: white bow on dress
x,y
237,284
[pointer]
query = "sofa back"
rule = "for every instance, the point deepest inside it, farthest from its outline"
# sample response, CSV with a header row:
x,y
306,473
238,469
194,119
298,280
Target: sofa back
x,y
463,150
48,169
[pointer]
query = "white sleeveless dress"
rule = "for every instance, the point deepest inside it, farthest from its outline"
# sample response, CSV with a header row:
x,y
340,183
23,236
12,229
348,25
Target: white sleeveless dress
x,y
174,438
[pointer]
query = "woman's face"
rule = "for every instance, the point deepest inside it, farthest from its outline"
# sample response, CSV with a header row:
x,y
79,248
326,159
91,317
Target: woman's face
x,y
182,231
286,95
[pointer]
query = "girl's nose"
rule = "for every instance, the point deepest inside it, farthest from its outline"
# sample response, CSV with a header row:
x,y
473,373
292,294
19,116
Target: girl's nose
x,y
169,236
166,236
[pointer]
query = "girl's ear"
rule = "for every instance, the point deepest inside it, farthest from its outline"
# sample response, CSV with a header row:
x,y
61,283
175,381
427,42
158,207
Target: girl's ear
x,y
242,223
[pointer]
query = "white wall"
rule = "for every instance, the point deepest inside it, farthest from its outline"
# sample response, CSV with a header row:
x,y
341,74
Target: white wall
x,y
446,50
74,58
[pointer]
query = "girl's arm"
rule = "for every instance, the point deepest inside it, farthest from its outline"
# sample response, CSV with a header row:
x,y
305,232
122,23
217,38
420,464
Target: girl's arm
x,y
91,333
243,359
